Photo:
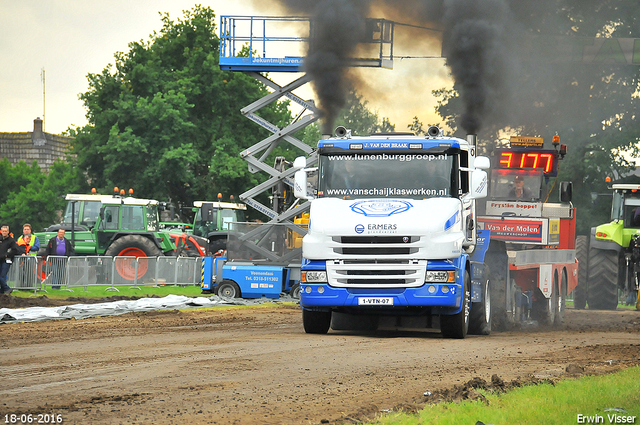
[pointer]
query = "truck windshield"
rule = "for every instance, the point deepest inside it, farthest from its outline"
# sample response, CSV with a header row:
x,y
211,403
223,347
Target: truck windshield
x,y
380,175
516,185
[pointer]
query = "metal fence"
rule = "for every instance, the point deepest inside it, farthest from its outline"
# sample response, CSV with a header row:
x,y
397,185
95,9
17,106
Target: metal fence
x,y
54,272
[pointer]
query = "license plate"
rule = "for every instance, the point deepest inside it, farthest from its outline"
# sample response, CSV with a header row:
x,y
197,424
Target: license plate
x,y
375,301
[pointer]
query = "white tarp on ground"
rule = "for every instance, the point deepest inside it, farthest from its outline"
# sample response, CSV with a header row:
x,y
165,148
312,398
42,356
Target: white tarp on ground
x,y
83,311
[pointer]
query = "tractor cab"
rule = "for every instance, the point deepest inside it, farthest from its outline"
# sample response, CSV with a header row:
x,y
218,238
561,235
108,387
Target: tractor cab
x,y
214,221
626,205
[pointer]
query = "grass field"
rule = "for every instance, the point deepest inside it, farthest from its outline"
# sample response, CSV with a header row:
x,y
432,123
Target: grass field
x,y
104,291
606,399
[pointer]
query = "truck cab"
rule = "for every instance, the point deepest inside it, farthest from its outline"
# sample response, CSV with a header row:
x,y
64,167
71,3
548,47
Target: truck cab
x,y
391,229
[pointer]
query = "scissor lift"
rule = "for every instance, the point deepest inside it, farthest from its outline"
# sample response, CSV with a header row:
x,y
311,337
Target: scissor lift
x,y
244,42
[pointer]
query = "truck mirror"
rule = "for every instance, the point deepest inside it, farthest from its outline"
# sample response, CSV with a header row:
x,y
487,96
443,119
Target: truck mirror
x,y
300,184
300,162
102,213
566,191
482,162
479,183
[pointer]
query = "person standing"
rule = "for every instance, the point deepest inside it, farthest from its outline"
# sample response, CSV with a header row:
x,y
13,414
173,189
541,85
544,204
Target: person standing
x,y
519,191
8,249
61,247
34,242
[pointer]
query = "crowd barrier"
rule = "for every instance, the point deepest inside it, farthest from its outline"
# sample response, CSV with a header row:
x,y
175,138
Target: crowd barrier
x,y
56,272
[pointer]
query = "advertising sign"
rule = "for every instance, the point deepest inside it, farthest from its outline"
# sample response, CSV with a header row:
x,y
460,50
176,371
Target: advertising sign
x,y
524,209
517,229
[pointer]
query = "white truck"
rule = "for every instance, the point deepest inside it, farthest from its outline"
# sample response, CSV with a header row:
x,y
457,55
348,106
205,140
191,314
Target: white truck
x,y
392,238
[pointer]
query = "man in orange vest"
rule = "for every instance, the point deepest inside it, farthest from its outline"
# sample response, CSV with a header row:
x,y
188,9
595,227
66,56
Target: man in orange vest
x,y
34,242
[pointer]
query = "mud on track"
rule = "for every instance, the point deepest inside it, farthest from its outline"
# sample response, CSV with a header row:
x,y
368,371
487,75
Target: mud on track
x,y
257,366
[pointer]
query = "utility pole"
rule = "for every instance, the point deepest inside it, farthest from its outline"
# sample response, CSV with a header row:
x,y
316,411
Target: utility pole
x,y
43,97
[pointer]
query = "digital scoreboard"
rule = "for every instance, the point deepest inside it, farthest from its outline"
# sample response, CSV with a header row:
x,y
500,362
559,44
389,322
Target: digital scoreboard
x,y
541,159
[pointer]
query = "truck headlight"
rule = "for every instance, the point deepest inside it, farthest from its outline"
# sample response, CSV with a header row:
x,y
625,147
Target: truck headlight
x,y
314,276
440,276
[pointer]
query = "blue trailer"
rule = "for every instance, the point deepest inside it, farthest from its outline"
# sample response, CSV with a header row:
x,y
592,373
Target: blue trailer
x,y
235,280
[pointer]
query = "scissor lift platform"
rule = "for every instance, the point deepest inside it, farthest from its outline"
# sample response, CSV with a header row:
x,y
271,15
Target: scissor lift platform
x,y
244,41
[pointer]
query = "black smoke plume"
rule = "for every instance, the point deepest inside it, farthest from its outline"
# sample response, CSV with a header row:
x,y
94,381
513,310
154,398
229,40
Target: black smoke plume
x,y
476,43
337,26
475,40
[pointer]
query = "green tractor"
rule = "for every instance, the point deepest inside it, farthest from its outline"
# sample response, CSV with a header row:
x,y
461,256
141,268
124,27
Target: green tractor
x,y
610,257
123,227
214,220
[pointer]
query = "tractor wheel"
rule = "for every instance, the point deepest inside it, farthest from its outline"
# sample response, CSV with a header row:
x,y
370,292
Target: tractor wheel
x,y
216,245
316,322
603,279
582,255
132,246
457,325
228,289
480,315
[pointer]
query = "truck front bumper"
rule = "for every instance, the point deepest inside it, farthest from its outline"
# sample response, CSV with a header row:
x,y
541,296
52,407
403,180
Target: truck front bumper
x,y
436,297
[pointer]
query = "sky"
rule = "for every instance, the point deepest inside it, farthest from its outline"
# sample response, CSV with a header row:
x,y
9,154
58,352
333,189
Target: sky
x,y
72,38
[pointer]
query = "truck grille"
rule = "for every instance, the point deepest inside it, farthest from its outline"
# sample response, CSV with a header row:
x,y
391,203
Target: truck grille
x,y
376,273
376,245
375,239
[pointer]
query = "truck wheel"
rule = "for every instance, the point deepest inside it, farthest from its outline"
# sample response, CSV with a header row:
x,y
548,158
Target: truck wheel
x,y
496,256
545,309
582,255
480,314
562,301
132,246
457,325
295,291
228,289
316,322
603,279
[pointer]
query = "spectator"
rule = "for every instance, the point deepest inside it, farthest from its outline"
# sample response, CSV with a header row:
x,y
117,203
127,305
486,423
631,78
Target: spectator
x,y
61,247
34,241
24,242
8,249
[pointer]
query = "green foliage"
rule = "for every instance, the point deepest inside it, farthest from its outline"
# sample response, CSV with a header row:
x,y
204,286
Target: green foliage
x,y
35,197
166,120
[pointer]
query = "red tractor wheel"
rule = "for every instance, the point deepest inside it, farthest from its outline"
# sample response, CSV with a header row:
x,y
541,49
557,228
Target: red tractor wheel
x,y
132,246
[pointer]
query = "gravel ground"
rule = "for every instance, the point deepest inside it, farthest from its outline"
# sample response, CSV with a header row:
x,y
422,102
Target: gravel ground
x,y
257,366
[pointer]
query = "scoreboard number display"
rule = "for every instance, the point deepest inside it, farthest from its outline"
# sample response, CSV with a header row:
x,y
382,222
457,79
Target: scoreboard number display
x,y
541,159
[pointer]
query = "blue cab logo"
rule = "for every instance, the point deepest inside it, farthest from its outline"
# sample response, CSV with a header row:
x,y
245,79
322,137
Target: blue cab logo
x,y
359,228
380,208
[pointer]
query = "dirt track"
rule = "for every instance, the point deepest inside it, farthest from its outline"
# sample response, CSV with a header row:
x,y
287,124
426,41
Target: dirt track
x,y
257,366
